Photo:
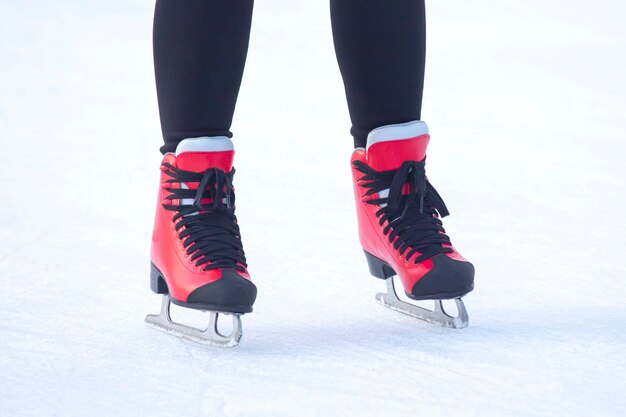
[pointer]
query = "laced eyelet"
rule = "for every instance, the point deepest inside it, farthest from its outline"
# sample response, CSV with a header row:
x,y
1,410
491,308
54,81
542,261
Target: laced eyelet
x,y
211,228
409,214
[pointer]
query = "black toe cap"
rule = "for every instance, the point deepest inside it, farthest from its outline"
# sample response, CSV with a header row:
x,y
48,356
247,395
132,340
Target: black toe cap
x,y
447,279
230,293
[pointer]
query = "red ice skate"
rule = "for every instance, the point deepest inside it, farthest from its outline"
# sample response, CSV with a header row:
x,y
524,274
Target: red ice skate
x,y
400,229
197,258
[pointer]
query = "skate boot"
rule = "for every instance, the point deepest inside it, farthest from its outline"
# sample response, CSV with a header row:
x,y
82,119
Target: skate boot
x,y
197,256
399,212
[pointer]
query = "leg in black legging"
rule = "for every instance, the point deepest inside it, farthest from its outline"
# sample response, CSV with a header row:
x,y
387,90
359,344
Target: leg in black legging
x,y
200,49
381,48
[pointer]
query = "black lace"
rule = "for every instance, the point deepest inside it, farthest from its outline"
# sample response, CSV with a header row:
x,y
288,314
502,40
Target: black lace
x,y
413,218
209,232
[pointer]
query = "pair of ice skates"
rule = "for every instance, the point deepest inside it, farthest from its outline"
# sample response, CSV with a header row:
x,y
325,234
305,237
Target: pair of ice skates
x,y
198,259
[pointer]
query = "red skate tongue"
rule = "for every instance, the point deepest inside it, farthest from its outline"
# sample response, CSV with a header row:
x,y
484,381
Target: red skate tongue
x,y
199,154
389,146
201,161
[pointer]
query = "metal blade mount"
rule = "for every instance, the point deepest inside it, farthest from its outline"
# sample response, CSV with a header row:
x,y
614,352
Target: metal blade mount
x,y
210,336
438,315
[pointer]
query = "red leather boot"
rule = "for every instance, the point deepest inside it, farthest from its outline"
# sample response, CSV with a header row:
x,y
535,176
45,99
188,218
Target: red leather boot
x,y
399,215
197,258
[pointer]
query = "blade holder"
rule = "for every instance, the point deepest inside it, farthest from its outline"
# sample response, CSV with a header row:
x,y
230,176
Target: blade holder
x,y
209,336
437,315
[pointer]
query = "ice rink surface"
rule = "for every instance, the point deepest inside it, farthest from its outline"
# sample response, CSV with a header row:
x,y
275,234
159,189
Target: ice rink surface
x,y
526,103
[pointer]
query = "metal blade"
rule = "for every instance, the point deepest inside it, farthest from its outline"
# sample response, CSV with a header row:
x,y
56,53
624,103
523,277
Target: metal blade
x,y
209,336
437,315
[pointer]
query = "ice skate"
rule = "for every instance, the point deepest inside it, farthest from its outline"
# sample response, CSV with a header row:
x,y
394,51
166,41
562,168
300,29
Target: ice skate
x,y
400,229
197,256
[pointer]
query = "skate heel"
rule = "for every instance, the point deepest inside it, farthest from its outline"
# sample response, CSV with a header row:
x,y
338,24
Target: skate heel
x,y
378,268
157,283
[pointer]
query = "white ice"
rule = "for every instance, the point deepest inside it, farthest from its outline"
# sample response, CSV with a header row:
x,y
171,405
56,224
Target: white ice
x,y
525,101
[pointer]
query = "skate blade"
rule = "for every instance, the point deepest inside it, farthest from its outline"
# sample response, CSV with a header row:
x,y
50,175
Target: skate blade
x,y
437,316
210,336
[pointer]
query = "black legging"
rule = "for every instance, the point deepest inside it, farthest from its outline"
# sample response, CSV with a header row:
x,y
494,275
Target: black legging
x,y
200,49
